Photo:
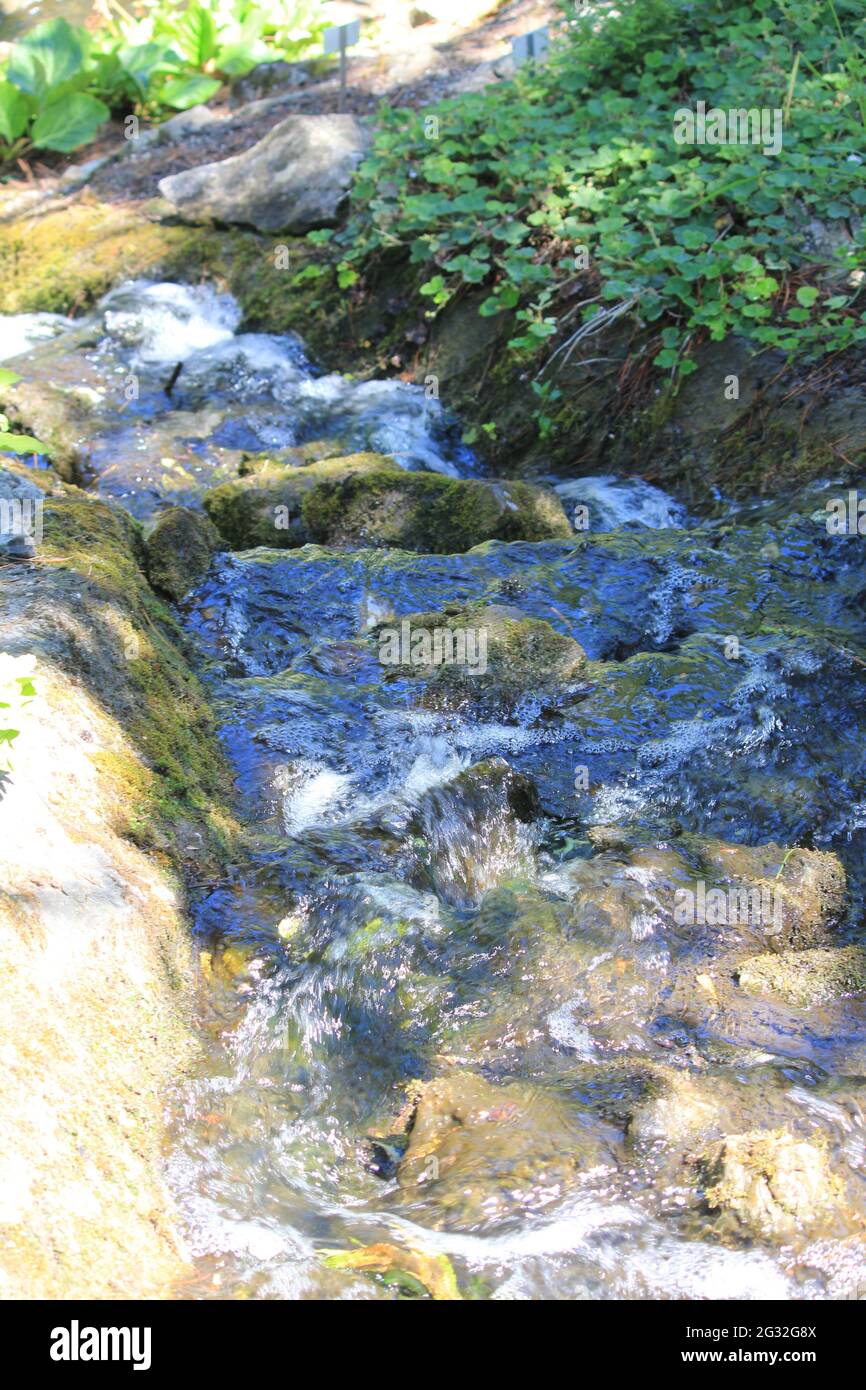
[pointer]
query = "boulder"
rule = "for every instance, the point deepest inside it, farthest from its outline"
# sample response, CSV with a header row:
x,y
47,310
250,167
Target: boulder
x,y
179,544
369,500
291,181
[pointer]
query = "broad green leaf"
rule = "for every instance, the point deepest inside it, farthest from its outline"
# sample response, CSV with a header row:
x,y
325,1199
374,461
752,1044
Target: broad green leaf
x,y
14,112
197,35
50,54
184,92
806,295
141,61
67,124
237,59
21,444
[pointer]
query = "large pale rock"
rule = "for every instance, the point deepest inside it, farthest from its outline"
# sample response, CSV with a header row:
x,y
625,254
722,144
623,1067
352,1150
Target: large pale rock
x,y
293,180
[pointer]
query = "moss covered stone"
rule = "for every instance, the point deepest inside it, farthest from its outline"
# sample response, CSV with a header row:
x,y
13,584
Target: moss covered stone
x,y
179,545
806,887
510,656
63,256
368,500
806,978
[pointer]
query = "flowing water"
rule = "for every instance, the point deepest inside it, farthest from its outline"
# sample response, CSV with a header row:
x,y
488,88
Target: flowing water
x,y
476,891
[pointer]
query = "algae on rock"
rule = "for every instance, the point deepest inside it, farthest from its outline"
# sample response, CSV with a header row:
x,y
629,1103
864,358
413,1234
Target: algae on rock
x,y
369,500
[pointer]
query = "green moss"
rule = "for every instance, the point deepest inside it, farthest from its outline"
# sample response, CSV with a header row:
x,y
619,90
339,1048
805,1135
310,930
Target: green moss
x,y
63,259
180,544
761,457
129,650
368,500
515,656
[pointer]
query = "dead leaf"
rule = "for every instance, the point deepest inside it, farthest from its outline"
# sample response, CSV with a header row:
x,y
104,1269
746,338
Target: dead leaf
x,y
435,1272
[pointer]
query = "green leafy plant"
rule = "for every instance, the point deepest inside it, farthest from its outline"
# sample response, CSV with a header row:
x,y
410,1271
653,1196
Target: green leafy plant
x,y
180,53
20,690
44,101
691,242
61,83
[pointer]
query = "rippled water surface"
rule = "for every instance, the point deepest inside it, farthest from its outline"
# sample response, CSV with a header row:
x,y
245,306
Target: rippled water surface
x,y
473,894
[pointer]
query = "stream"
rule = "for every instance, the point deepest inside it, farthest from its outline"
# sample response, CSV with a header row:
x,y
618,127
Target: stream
x,y
457,898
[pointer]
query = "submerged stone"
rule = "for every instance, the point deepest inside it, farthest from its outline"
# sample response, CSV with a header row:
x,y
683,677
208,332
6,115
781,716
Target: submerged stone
x,y
806,978
472,826
771,1183
481,1152
516,657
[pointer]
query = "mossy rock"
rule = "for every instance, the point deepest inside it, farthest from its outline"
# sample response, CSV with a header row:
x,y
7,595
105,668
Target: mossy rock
x,y
806,978
770,1183
807,888
63,257
180,544
510,656
368,500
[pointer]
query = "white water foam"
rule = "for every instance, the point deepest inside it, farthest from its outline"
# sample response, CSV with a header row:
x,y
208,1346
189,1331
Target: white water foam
x,y
21,332
617,504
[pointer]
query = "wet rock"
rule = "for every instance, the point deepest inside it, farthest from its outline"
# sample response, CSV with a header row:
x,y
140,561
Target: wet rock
x,y
769,1182
479,1152
800,892
510,656
60,417
179,545
434,1273
368,500
677,1109
806,978
293,180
